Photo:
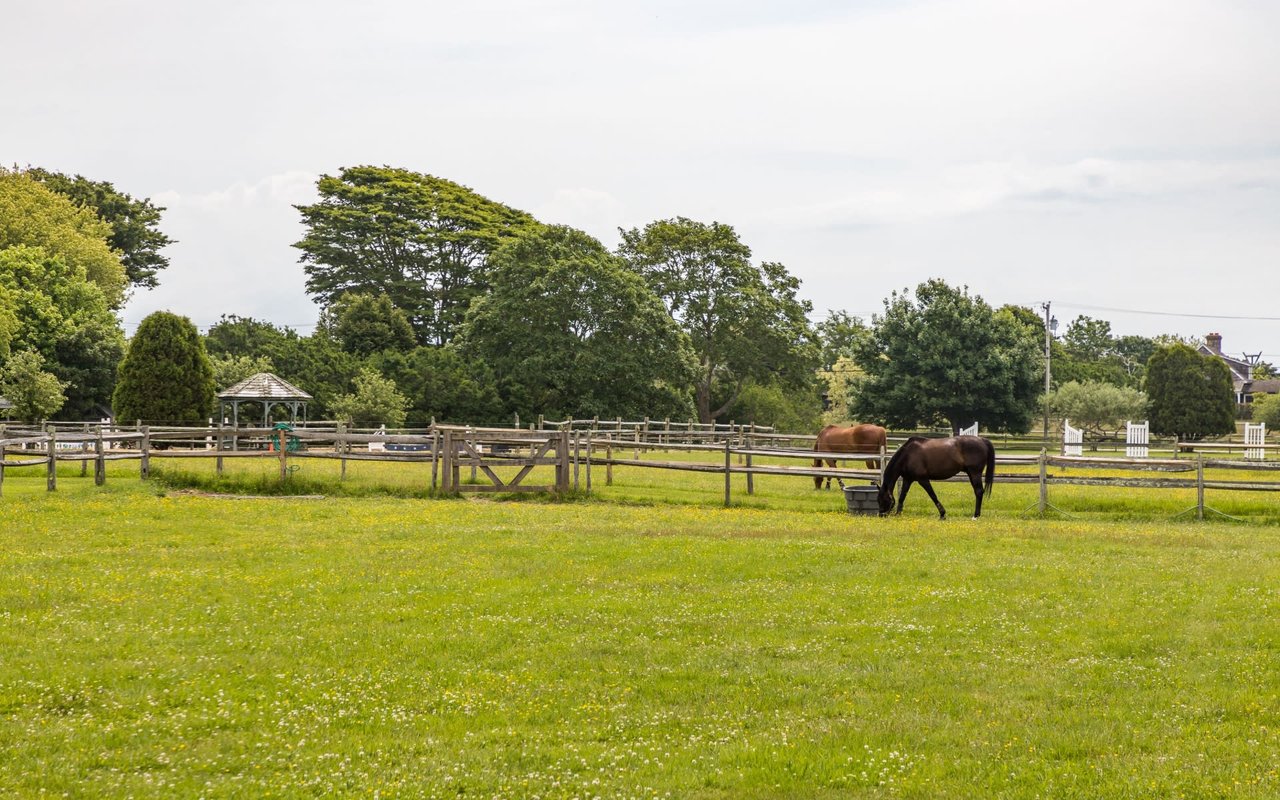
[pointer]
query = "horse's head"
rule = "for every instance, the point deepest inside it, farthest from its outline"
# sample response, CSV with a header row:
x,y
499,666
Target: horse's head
x,y
885,498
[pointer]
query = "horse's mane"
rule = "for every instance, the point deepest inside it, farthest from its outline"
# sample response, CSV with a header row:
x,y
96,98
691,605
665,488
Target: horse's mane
x,y
894,467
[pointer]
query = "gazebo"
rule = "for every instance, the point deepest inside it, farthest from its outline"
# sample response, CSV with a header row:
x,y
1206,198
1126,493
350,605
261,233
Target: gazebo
x,y
267,389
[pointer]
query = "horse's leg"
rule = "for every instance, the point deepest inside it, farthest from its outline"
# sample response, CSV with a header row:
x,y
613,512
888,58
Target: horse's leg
x,y
832,464
817,479
928,487
902,496
975,480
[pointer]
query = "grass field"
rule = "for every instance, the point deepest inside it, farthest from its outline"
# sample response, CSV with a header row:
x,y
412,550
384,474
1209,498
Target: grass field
x,y
642,643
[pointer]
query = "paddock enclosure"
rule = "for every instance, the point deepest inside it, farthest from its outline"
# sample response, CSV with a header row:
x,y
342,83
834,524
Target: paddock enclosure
x,y
639,642
582,456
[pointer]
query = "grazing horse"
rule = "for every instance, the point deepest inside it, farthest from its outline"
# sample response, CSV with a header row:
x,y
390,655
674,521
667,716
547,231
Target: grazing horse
x,y
858,439
922,460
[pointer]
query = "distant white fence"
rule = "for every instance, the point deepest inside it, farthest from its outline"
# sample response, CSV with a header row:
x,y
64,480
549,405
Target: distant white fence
x,y
1137,437
972,430
1255,435
1072,439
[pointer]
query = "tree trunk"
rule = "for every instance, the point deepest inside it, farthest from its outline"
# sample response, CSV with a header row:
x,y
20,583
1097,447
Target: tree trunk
x,y
702,396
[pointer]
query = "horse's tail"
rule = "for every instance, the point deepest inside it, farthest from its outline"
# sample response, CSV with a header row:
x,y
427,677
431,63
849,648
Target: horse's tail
x,y
991,465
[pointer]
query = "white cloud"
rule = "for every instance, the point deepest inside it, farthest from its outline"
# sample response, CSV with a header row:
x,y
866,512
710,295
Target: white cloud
x,y
1128,147
955,190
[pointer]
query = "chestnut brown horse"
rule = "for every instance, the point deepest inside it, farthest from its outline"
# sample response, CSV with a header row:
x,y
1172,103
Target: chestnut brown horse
x,y
921,460
858,439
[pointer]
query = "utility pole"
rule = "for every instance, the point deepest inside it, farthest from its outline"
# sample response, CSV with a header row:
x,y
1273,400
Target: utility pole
x,y
1049,325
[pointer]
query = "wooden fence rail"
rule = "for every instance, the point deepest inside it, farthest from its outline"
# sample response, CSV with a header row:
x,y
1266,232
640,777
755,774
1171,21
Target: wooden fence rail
x,y
494,452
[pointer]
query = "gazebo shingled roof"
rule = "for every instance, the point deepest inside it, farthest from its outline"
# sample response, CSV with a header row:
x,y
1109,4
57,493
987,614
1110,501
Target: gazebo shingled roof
x,y
263,386
267,389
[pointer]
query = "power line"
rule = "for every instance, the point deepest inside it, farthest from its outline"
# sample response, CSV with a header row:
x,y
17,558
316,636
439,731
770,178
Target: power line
x,y
1166,313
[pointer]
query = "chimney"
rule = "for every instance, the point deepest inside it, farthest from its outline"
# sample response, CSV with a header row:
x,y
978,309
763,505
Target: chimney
x,y
1214,342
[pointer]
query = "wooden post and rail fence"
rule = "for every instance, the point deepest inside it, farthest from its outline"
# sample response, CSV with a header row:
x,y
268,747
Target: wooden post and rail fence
x,y
503,459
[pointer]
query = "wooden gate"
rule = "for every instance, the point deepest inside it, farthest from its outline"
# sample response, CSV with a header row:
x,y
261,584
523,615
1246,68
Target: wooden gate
x,y
486,449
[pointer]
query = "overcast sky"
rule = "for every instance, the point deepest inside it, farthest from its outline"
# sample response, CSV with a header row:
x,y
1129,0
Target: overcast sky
x,y
1120,158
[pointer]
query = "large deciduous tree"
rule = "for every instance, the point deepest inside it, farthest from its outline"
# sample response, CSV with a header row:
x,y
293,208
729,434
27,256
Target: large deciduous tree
x,y
165,375
947,356
1266,409
35,393
135,231
424,241
1089,353
745,323
568,329
31,214
62,315
230,370
443,384
375,401
1191,394
1097,406
366,324
837,335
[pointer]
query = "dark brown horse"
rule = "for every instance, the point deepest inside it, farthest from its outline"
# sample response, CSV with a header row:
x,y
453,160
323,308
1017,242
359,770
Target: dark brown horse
x,y
858,439
922,460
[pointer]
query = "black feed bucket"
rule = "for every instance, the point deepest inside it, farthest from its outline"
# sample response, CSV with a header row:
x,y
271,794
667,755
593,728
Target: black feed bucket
x,y
862,500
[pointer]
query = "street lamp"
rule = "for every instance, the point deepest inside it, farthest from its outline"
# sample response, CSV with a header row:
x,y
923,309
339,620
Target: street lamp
x,y
1050,328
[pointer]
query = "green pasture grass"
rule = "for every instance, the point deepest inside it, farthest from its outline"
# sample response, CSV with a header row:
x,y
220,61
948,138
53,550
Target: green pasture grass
x,y
162,644
644,486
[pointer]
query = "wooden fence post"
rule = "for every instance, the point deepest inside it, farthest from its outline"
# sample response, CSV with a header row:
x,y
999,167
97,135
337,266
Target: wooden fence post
x,y
562,461
474,446
341,442
577,439
282,446
751,484
435,456
221,446
446,461
52,477
145,447
99,461
2,449
608,467
1200,486
84,449
589,440
728,464
1043,504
